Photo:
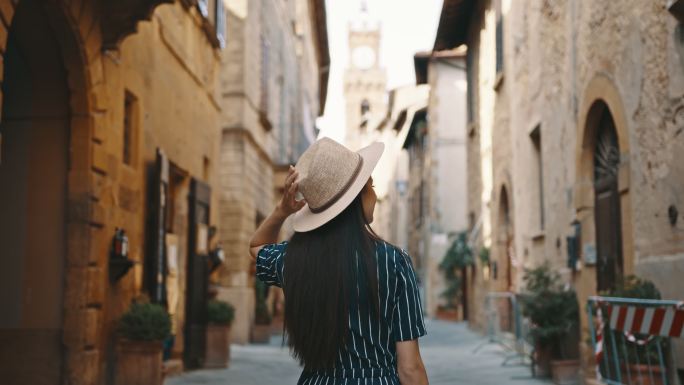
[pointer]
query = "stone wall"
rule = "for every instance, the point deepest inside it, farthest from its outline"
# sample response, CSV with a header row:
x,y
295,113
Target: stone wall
x,y
560,59
447,174
103,191
270,102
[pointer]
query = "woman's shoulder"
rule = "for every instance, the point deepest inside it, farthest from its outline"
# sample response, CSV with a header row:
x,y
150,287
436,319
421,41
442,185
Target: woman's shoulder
x,y
274,248
395,255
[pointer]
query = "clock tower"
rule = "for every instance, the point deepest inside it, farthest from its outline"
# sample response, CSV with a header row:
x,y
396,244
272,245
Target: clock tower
x,y
364,81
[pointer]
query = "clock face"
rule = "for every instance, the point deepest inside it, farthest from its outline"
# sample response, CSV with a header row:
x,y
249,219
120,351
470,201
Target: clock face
x,y
364,57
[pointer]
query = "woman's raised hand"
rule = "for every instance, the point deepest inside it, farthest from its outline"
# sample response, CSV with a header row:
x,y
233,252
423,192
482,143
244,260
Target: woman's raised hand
x,y
288,203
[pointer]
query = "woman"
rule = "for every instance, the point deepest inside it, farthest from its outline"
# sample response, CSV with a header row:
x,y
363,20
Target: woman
x,y
352,307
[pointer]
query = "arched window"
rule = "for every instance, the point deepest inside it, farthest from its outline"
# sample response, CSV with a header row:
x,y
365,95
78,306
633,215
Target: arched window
x,y
365,107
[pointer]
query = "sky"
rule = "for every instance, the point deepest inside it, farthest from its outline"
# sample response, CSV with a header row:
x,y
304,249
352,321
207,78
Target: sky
x,y
407,27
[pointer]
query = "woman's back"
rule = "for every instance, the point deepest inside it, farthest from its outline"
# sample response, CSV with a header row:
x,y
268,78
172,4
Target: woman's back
x,y
369,355
352,307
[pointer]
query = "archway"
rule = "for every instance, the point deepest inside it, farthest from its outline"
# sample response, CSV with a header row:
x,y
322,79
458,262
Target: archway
x,y
602,202
44,209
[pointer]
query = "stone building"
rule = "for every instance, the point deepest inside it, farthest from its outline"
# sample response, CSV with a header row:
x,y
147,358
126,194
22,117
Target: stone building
x,y
574,118
442,184
110,118
390,176
274,82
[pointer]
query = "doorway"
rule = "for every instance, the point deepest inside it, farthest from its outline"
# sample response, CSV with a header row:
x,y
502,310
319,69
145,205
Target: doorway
x,y
197,284
609,264
33,199
505,247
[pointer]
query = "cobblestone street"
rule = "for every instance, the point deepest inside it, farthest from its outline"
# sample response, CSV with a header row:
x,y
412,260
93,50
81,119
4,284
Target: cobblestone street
x,y
447,351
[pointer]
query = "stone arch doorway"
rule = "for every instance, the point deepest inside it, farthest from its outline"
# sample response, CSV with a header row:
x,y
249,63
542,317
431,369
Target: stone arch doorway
x,y
607,212
45,222
602,201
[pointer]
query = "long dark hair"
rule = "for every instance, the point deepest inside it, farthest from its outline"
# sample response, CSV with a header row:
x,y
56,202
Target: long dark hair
x,y
326,269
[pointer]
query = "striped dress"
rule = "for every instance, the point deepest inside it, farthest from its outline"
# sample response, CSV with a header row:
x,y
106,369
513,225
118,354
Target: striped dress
x,y
370,357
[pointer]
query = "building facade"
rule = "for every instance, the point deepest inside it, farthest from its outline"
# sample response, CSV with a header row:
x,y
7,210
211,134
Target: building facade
x,y
94,141
442,182
575,129
390,176
274,79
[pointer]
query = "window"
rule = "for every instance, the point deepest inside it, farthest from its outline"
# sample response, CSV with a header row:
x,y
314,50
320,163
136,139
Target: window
x,y
203,6
365,107
214,14
499,38
220,23
129,128
535,136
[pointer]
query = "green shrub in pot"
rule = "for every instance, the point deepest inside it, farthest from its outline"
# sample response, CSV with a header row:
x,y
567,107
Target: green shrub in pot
x,y
220,312
145,322
552,309
458,256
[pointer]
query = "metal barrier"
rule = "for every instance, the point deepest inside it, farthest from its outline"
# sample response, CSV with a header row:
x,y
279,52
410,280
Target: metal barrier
x,y
632,339
506,327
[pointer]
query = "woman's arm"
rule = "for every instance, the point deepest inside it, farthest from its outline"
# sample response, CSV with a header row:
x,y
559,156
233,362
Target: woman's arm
x,y
268,230
410,364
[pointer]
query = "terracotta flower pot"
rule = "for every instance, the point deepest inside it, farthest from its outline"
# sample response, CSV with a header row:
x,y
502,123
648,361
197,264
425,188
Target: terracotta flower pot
x,y
448,314
218,346
261,334
542,360
565,372
139,363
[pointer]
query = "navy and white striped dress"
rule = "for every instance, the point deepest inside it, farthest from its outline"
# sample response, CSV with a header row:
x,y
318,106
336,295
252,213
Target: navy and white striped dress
x,y
370,357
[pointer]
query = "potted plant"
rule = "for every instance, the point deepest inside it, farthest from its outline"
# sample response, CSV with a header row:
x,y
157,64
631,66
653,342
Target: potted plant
x,y
554,314
142,329
457,257
220,315
261,330
637,357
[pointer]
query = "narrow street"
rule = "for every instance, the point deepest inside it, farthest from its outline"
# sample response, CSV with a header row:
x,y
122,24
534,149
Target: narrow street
x,y
448,352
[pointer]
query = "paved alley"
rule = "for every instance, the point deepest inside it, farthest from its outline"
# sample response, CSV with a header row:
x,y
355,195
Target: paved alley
x,y
448,352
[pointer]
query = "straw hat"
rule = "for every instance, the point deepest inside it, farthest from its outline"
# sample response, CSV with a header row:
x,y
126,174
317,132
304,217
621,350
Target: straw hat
x,y
330,177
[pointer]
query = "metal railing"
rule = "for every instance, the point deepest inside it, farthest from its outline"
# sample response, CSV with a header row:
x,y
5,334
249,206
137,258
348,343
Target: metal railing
x,y
506,327
632,339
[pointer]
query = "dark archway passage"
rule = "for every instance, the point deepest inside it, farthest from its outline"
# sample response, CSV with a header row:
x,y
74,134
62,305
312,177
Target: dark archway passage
x,y
33,199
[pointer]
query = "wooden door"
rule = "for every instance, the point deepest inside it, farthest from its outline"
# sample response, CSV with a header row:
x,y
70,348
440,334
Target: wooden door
x,y
608,236
197,275
607,205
